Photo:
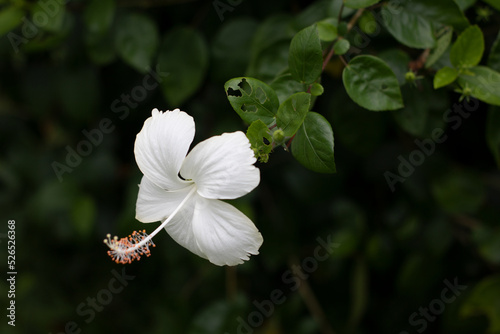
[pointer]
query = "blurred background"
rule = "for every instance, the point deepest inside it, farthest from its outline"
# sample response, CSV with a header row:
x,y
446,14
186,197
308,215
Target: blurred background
x,y
342,253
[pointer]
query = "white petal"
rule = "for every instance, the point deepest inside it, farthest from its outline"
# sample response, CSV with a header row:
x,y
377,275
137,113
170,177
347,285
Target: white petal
x,y
154,203
222,166
162,145
224,234
180,228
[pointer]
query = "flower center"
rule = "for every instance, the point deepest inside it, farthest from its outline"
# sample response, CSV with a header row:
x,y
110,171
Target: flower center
x,y
126,250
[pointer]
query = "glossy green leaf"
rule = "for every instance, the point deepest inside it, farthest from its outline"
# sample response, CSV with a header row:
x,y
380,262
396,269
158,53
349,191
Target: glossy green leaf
x,y
494,56
260,140
409,27
398,62
468,49
327,29
341,46
306,56
252,99
98,15
484,84
317,89
313,144
371,83
359,3
445,12
136,40
10,18
483,300
493,133
292,113
442,44
184,56
444,77
284,86
411,21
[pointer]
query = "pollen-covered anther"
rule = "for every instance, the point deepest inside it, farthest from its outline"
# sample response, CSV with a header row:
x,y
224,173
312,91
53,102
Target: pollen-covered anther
x,y
126,250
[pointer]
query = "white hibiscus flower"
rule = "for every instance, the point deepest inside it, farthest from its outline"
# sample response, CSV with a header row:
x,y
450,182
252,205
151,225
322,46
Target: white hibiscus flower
x,y
185,192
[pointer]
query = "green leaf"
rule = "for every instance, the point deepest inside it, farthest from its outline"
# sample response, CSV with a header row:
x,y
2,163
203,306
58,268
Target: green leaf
x,y
359,3
371,83
341,46
10,18
327,29
442,44
136,40
444,77
252,99
313,144
494,56
184,56
468,48
484,84
260,140
98,16
484,299
493,133
292,113
398,62
317,89
464,4
284,86
445,12
411,21
409,27
306,56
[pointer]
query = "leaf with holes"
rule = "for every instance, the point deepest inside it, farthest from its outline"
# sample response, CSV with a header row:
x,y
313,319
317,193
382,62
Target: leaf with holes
x,y
260,140
312,146
370,82
252,99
